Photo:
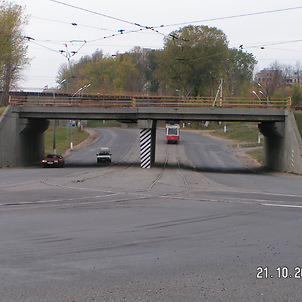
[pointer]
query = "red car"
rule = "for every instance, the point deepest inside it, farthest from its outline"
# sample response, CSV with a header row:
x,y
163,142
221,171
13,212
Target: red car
x,y
53,160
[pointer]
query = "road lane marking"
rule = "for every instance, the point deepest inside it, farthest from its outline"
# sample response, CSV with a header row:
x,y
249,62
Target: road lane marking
x,y
281,205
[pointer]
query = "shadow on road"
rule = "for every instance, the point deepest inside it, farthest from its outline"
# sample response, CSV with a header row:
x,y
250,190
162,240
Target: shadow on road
x,y
200,169
162,165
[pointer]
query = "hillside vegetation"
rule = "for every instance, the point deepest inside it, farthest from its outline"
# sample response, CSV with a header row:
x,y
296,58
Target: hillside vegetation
x,y
2,110
62,139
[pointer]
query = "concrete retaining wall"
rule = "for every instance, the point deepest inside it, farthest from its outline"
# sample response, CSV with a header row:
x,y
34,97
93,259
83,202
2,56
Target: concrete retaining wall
x,y
21,140
293,144
9,140
282,145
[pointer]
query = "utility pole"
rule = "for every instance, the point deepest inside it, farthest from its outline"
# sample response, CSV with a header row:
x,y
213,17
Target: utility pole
x,y
219,92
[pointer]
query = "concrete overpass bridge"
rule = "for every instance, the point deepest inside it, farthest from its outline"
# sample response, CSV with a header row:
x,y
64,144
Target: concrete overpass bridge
x,y
25,120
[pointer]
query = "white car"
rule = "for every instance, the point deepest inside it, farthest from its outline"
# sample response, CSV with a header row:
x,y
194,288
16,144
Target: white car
x,y
104,155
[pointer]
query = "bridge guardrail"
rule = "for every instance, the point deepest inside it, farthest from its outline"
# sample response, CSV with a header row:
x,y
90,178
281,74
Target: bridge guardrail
x,y
111,101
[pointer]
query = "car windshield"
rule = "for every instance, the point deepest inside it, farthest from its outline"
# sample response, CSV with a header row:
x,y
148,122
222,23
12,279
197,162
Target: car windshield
x,y
53,156
104,151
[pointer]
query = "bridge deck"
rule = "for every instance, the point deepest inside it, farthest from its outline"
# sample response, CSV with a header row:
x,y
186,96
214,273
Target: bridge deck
x,y
154,113
133,108
52,100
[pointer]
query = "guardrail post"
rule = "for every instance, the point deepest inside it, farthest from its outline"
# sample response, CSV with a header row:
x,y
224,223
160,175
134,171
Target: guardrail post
x,y
134,102
289,103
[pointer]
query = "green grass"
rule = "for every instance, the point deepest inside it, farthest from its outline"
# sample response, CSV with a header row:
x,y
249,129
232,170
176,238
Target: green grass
x,y
2,110
245,133
100,124
250,134
62,139
257,154
241,132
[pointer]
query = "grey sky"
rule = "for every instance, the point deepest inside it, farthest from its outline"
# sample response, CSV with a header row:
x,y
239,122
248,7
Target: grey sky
x,y
56,27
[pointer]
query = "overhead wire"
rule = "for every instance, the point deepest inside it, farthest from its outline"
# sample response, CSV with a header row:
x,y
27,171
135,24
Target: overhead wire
x,y
154,28
142,27
231,17
93,12
275,43
107,16
76,24
41,45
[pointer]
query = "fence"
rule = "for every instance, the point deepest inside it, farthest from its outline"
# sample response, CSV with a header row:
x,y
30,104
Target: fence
x,y
144,101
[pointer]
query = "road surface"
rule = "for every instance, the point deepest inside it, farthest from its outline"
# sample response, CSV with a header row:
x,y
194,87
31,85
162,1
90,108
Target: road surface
x,y
199,226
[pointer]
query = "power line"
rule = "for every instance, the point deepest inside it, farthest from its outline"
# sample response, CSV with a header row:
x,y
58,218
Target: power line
x,y
110,17
141,28
96,13
41,45
72,23
34,41
152,28
232,17
92,12
276,43
119,34
283,49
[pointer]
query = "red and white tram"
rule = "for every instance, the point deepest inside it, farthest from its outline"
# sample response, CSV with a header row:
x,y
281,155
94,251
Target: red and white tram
x,y
172,133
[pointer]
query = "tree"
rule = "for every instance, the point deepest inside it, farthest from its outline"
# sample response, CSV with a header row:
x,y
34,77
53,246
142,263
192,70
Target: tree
x,y
239,72
104,73
13,47
152,80
277,81
193,61
194,58
296,95
146,63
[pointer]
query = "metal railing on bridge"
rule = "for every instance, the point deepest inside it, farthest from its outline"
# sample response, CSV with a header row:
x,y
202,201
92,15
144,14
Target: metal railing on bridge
x,y
107,101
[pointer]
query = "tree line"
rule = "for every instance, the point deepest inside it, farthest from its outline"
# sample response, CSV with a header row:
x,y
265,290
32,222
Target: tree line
x,y
284,81
192,62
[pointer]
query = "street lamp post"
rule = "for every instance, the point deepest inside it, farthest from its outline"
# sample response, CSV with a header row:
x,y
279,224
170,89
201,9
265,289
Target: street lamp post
x,y
254,92
54,121
85,87
265,94
71,136
71,131
54,138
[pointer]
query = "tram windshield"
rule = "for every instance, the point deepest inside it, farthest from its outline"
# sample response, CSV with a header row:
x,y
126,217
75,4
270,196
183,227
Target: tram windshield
x,y
172,131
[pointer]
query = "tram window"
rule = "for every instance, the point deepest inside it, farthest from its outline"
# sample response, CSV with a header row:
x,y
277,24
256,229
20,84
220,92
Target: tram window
x,y
172,131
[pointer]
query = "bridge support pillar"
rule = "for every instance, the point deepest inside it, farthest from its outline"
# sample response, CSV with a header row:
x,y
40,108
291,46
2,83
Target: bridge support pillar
x,y
21,140
32,140
147,142
273,145
282,145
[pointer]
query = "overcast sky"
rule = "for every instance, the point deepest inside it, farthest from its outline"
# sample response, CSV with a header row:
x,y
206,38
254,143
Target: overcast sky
x,y
56,27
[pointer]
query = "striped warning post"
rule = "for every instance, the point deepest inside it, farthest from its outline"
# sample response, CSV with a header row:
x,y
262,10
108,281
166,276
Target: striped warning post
x,y
145,148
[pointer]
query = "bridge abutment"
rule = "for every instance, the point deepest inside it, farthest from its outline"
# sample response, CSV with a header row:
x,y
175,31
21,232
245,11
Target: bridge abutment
x,y
32,143
9,140
282,145
21,139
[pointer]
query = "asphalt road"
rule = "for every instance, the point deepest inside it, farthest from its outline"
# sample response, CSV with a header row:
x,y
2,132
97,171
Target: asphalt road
x,y
199,226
